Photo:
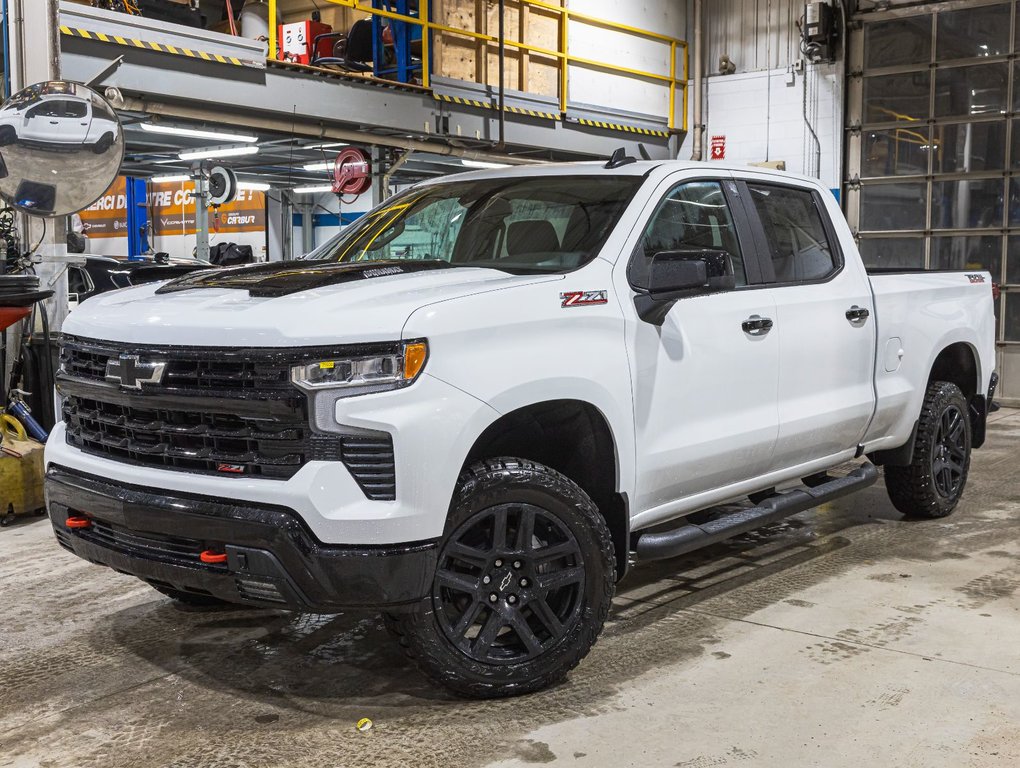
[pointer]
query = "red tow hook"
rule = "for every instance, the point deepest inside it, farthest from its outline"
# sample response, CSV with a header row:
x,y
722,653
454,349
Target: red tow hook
x,y
213,557
78,522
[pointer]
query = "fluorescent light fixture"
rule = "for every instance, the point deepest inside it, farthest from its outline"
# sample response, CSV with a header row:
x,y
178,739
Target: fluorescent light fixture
x,y
255,186
319,166
195,133
308,190
203,154
330,145
482,164
171,177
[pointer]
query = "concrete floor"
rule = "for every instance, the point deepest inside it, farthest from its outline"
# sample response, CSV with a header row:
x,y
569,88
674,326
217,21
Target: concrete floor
x,y
843,637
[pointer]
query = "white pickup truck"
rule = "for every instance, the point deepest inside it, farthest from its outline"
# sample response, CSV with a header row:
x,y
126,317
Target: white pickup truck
x,y
478,404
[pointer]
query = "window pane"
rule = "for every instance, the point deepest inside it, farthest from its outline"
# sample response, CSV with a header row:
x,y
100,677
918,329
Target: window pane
x,y
893,251
1014,202
1013,261
970,147
971,252
976,90
897,42
896,98
973,32
693,215
1011,326
1015,151
796,236
899,152
893,206
966,204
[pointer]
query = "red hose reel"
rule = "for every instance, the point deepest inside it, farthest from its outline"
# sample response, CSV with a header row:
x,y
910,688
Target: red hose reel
x,y
352,172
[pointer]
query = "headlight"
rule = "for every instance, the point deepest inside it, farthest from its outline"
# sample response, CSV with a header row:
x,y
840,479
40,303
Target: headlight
x,y
363,374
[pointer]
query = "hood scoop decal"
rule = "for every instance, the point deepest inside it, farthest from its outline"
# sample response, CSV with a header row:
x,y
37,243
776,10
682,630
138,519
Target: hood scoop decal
x,y
283,278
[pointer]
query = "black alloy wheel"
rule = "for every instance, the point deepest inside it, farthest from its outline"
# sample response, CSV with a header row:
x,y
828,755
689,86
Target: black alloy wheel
x,y
949,456
932,484
509,585
525,576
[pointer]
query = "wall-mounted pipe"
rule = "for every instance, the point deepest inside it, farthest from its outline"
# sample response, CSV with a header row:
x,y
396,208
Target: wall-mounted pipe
x,y
698,148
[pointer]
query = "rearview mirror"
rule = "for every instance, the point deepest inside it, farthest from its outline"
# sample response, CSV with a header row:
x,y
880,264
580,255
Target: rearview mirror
x,y
61,146
687,272
679,274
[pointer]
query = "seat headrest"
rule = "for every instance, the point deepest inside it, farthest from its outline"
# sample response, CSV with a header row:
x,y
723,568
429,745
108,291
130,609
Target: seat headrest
x,y
531,236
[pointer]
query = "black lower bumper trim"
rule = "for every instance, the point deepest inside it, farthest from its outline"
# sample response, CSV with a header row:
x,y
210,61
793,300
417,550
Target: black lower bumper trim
x,y
272,557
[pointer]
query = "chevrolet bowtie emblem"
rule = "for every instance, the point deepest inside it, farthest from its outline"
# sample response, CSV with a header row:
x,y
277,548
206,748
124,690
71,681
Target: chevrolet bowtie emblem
x,y
131,373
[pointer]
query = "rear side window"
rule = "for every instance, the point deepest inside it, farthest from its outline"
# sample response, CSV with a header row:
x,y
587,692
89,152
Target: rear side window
x,y
799,248
692,215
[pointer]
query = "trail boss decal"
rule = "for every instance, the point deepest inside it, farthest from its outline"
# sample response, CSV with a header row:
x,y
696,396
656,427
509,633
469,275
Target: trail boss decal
x,y
976,278
583,298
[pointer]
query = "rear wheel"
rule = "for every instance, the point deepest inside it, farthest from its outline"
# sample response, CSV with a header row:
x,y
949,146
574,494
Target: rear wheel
x,y
932,484
523,584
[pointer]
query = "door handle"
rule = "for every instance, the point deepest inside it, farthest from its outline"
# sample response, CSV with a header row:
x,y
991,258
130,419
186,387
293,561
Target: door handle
x,y
857,314
756,325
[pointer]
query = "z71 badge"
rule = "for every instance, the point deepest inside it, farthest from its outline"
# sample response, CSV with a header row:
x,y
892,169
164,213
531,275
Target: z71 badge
x,y
583,298
976,278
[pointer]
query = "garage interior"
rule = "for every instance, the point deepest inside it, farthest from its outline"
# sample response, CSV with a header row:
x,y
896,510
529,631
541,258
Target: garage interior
x,y
841,636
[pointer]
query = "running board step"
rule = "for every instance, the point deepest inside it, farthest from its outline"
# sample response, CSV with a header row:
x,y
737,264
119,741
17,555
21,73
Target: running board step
x,y
687,538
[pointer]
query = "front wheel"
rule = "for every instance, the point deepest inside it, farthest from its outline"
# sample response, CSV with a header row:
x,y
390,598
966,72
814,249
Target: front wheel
x,y
932,484
523,584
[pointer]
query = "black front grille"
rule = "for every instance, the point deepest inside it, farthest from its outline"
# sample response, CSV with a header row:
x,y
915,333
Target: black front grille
x,y
230,412
187,440
190,369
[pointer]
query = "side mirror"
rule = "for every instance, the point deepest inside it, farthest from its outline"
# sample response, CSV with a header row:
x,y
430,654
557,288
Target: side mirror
x,y
65,156
680,274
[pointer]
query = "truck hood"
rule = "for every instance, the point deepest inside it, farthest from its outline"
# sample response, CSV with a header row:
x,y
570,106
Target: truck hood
x,y
253,306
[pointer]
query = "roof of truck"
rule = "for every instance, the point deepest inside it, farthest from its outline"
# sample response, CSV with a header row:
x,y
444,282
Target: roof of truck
x,y
636,168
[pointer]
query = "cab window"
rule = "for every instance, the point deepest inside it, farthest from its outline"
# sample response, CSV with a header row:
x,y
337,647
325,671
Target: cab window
x,y
799,248
694,214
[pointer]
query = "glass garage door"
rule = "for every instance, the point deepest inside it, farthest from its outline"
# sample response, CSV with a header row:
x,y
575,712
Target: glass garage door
x,y
933,146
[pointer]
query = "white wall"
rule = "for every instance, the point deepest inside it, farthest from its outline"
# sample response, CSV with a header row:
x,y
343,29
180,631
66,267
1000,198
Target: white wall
x,y
762,117
596,87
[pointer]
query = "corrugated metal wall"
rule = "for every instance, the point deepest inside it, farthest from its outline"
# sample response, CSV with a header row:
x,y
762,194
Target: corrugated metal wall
x,y
755,34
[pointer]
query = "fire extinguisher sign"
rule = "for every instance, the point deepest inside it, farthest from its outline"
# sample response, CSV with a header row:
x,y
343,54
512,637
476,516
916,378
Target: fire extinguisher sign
x,y
718,147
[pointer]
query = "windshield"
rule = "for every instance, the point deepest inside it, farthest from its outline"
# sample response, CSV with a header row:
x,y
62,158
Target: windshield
x,y
543,224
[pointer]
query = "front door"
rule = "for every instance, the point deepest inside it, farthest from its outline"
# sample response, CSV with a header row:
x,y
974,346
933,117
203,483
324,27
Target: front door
x,y
706,380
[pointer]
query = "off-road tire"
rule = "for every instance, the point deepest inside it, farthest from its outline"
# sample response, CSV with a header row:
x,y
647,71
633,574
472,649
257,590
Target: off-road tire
x,y
190,599
554,501
916,490
104,143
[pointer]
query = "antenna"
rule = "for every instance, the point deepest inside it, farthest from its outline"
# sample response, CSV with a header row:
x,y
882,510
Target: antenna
x,y
618,158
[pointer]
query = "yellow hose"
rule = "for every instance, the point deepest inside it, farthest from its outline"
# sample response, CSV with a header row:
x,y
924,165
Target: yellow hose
x,y
11,426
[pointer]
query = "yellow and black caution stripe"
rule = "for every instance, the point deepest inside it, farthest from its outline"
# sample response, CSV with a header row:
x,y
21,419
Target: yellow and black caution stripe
x,y
621,127
148,45
488,105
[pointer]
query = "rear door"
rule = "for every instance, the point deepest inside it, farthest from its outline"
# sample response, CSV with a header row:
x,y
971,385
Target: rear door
x,y
705,380
825,323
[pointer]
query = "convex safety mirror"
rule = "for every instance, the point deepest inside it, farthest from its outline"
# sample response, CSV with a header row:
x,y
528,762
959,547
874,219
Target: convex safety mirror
x,y
61,146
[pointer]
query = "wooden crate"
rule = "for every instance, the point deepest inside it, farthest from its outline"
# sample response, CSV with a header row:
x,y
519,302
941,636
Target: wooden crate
x,y
465,58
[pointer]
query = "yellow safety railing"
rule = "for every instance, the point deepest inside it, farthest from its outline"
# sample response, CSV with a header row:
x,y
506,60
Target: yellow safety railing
x,y
671,79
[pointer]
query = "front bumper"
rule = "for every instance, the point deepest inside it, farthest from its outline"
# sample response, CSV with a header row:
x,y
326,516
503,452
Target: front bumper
x,y
273,559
